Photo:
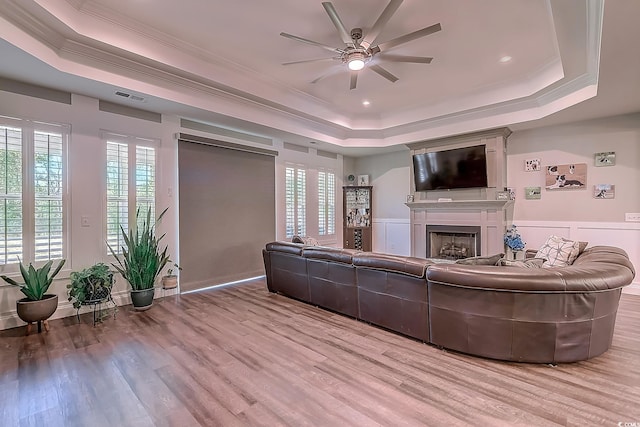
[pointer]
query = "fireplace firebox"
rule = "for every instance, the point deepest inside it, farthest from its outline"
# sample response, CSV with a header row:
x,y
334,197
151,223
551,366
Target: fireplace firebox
x,y
453,241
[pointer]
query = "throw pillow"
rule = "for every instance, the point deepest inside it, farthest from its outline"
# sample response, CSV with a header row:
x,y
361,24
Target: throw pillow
x,y
308,241
480,260
529,263
558,252
581,245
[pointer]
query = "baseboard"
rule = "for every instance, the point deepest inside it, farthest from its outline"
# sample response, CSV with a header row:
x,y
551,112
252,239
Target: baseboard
x,y
10,319
632,289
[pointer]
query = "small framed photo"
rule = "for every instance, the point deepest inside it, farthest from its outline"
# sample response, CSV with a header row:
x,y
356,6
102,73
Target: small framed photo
x,y
363,180
532,193
604,191
512,193
607,158
410,198
502,195
532,165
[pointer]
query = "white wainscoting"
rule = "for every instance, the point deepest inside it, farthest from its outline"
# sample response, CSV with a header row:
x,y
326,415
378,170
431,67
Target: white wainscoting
x,y
393,236
625,235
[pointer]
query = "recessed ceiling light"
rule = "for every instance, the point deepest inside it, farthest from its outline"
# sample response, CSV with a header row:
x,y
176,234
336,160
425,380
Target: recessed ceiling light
x,y
505,58
366,103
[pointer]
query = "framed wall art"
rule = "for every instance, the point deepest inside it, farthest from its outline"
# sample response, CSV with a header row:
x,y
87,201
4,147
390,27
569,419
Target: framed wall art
x,y
532,193
566,177
604,191
363,180
532,165
607,158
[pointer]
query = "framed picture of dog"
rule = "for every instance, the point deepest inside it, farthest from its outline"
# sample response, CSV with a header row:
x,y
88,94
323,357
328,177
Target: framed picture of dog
x,y
605,159
566,177
532,193
604,191
532,165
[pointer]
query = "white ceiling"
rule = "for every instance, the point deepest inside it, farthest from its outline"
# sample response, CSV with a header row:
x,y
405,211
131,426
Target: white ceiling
x,y
221,63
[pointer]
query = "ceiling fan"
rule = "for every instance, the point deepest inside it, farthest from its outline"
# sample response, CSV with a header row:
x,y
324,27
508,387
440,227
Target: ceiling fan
x,y
360,50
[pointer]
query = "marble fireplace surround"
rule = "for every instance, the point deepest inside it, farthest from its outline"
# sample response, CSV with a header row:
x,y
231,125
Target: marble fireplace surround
x,y
490,215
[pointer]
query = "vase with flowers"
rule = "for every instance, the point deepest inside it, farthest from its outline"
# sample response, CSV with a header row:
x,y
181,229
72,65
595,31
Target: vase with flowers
x,y
513,241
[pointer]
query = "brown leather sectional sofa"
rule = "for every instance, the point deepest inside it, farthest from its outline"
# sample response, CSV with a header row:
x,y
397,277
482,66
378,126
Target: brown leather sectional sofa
x,y
508,313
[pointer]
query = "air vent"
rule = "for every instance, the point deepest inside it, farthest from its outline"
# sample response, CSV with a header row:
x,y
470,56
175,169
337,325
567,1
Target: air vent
x,y
130,96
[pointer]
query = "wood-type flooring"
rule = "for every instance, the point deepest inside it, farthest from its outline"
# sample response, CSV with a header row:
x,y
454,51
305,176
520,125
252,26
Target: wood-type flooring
x,y
240,356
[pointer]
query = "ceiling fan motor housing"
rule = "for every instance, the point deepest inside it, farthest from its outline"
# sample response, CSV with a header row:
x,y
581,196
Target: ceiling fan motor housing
x,y
356,35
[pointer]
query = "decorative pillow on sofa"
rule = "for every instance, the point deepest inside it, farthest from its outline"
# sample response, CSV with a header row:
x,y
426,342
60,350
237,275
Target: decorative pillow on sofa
x,y
528,263
480,260
558,252
581,245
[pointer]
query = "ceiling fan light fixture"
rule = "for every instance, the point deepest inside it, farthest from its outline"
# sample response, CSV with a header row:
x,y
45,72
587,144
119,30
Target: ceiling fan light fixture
x,y
356,64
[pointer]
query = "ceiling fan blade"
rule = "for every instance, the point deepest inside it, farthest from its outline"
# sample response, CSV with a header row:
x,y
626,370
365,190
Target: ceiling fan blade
x,y
310,60
311,42
409,37
384,73
404,58
386,14
330,72
354,80
342,30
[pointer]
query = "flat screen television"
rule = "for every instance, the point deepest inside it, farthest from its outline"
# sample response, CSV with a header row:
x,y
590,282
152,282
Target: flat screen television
x,y
449,169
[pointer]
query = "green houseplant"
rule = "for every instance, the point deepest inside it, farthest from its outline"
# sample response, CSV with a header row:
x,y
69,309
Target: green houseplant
x,y
142,259
37,306
170,280
92,284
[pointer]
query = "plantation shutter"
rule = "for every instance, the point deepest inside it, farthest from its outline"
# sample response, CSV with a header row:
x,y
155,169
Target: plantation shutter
x,y
48,190
326,203
145,181
10,195
117,193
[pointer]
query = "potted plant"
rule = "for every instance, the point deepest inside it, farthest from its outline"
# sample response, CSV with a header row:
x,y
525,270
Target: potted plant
x,y
142,260
170,280
37,306
90,286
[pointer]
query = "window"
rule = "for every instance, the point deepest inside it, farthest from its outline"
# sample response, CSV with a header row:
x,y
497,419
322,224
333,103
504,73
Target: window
x,y
131,184
326,203
295,200
32,189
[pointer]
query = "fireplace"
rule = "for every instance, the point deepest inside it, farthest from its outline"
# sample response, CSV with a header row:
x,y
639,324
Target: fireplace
x,y
453,241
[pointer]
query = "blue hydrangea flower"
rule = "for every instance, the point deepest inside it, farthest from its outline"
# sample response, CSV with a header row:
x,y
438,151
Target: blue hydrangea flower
x,y
513,240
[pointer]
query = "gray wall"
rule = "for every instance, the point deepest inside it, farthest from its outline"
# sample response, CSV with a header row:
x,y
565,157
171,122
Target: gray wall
x,y
577,143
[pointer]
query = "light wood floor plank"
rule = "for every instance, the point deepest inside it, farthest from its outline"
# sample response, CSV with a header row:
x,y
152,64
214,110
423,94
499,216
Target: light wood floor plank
x,y
242,356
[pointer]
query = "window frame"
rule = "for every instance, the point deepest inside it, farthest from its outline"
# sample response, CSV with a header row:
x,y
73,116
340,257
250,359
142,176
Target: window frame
x,y
326,207
132,142
29,128
296,217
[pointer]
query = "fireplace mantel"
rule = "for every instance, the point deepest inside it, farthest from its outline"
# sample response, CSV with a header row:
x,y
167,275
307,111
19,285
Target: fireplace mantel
x,y
492,216
460,204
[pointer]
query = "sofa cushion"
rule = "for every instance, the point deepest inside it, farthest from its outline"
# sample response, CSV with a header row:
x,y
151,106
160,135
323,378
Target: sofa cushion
x,y
528,263
409,266
558,252
481,260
